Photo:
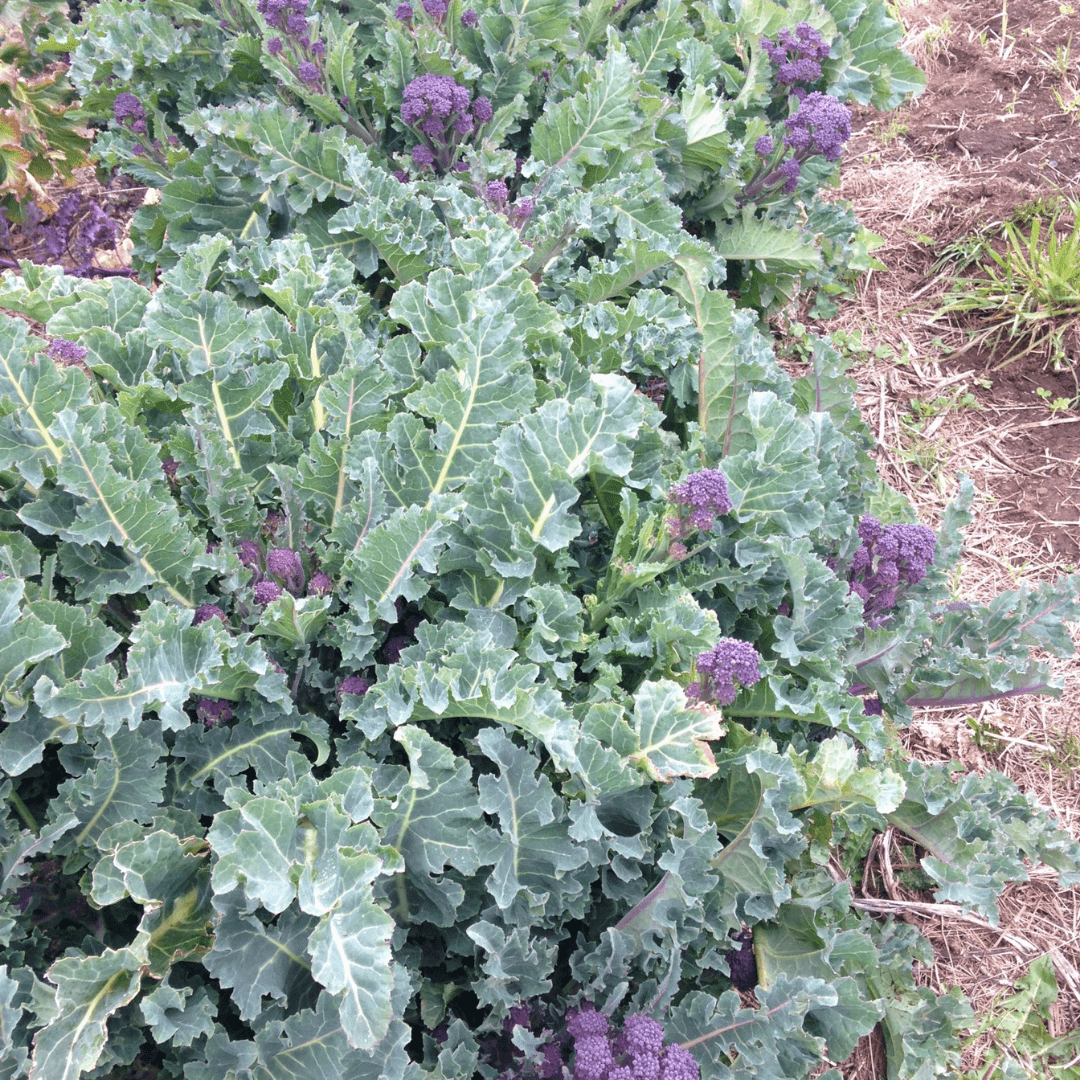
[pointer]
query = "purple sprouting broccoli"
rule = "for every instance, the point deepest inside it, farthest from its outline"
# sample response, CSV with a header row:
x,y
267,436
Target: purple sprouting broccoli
x,y
422,156
469,18
700,498
169,467
436,9
586,1021
482,110
67,352
127,107
438,110
308,73
274,46
728,663
872,706
635,1053
821,125
742,963
496,193
206,612
250,555
403,13
678,1064
285,565
213,711
797,56
353,684
764,146
267,592
889,559
643,1035
320,585
592,1057
520,212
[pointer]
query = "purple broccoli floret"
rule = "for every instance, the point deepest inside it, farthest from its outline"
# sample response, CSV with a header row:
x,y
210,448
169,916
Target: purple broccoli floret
x,y
249,554
820,125
679,1064
644,1036
889,559
127,107
789,170
169,467
496,193
704,495
212,712
206,612
353,684
587,1021
435,8
730,661
403,12
284,563
320,585
274,46
307,72
764,146
67,352
592,1057
796,55
422,157
266,592
742,962
482,110
469,18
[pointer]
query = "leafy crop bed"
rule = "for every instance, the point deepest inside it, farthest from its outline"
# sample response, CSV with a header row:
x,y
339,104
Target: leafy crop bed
x,y
439,637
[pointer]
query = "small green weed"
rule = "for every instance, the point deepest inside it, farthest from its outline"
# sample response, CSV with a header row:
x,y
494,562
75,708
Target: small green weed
x,y
959,397
1031,292
1060,62
1065,757
1059,404
890,132
1023,1047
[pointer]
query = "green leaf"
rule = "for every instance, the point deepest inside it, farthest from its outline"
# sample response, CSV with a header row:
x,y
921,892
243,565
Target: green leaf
x,y
430,812
24,638
89,990
116,476
168,660
296,622
672,739
779,248
401,224
708,146
256,960
533,852
600,118
120,779
33,393
775,481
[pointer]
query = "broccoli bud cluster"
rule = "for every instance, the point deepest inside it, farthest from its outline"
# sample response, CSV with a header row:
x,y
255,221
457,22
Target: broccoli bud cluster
x,y
797,56
442,114
819,125
635,1053
302,55
700,499
727,663
889,559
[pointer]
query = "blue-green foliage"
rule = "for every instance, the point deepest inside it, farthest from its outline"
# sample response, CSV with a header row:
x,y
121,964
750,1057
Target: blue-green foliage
x,y
222,858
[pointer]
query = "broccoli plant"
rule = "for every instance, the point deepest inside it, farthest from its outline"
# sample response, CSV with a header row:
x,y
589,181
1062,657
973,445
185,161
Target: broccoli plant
x,y
433,635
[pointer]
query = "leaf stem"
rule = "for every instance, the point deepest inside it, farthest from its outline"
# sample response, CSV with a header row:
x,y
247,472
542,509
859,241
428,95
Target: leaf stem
x,y
23,811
